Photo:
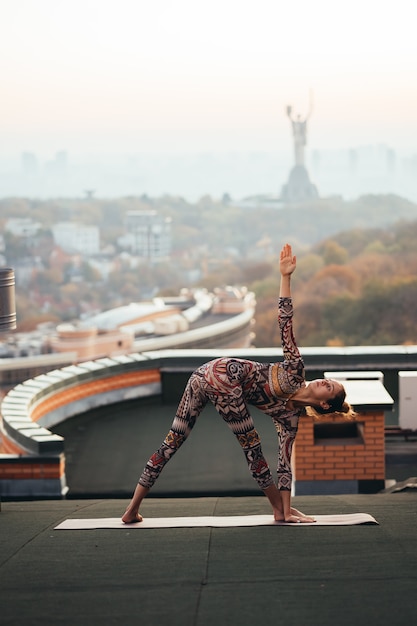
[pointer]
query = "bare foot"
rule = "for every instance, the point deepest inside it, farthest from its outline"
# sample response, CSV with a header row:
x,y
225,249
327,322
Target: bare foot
x,y
278,515
295,519
131,518
302,516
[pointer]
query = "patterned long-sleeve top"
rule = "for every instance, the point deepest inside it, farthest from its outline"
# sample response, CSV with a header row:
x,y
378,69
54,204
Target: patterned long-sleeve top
x,y
266,386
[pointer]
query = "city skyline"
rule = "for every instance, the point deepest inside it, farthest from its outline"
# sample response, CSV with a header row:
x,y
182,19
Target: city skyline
x,y
347,173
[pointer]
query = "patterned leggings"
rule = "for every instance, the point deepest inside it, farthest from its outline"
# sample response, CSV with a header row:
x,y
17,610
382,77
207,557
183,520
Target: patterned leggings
x,y
228,401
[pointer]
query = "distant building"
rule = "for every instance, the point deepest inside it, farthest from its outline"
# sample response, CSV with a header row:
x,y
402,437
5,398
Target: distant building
x,y
194,319
58,165
22,226
148,235
89,342
29,163
77,238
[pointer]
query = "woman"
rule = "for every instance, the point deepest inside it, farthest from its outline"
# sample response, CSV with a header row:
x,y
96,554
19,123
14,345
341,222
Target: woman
x,y
277,389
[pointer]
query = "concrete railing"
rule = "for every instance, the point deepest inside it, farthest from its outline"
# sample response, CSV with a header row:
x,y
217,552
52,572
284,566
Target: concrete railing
x,y
33,462
29,409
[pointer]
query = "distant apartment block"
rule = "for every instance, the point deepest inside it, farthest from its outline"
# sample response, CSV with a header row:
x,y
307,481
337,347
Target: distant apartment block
x,y
148,235
22,226
30,164
58,165
77,238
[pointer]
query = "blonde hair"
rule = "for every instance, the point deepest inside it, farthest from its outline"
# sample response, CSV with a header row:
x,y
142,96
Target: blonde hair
x,y
318,413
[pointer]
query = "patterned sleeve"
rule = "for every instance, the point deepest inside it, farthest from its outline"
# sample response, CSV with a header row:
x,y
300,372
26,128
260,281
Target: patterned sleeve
x,y
285,315
285,443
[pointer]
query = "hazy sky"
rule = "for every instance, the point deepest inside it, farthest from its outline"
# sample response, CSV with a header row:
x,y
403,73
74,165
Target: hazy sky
x,y
190,75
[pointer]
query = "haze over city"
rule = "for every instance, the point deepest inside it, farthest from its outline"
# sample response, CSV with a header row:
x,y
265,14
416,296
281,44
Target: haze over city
x,y
190,98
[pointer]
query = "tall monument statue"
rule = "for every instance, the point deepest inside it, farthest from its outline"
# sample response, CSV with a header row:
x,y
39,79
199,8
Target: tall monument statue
x,y
299,131
299,188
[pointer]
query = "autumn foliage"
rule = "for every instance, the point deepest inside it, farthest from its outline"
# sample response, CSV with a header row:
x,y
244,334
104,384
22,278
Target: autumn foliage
x,y
369,297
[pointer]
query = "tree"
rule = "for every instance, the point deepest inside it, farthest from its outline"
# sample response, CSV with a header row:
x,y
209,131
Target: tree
x,y
332,280
334,253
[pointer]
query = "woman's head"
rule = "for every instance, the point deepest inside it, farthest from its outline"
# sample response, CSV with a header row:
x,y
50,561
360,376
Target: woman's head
x,y
328,396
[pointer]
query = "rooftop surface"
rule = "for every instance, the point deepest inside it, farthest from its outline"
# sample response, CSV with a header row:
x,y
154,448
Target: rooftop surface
x,y
314,575
243,576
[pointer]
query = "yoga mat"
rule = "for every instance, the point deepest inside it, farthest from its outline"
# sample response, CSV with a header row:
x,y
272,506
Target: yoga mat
x,y
212,521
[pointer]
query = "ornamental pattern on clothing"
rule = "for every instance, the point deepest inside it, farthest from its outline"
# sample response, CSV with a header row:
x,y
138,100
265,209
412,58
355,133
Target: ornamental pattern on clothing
x,y
249,440
232,385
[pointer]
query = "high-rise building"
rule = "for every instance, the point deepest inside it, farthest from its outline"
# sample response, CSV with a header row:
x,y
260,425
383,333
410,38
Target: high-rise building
x,y
29,163
77,238
148,235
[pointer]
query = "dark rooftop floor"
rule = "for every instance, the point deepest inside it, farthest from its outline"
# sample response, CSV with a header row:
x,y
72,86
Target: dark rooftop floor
x,y
262,576
314,576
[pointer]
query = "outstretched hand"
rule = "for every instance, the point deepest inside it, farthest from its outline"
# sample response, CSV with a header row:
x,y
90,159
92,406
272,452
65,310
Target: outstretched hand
x,y
287,261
